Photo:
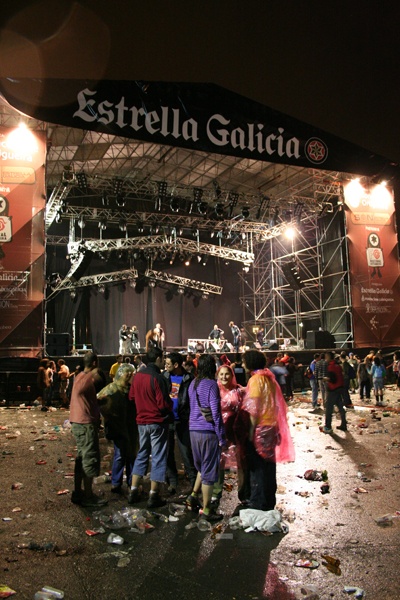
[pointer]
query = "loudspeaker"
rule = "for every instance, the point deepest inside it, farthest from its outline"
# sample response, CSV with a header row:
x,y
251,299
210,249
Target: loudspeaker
x,y
83,264
57,344
319,340
273,346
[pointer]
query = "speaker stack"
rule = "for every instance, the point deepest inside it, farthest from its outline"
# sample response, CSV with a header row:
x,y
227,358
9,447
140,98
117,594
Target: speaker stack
x,y
57,344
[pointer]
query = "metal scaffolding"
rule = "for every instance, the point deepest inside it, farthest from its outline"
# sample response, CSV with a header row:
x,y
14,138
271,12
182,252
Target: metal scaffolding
x,y
300,284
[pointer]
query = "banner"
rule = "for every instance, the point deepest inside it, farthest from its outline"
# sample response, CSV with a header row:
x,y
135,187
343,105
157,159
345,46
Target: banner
x,y
374,264
22,240
189,115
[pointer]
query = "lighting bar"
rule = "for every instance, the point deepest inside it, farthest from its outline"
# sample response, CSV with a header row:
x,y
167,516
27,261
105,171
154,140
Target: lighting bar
x,y
184,282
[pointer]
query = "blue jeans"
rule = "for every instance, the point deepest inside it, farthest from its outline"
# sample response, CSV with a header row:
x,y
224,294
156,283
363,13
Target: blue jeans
x,y
123,459
153,440
314,392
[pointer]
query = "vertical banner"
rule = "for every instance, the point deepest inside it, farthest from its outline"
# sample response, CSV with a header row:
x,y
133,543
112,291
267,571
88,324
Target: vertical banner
x,y
374,264
22,240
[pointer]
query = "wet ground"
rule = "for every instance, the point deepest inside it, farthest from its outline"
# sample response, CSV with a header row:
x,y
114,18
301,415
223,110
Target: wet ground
x,y
169,561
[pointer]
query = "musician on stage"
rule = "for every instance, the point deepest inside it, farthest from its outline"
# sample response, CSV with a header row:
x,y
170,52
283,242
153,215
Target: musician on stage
x,y
236,335
123,339
134,340
260,336
159,332
215,336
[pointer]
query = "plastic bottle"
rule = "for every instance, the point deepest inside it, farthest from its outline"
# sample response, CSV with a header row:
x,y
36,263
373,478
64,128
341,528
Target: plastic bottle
x,y
204,525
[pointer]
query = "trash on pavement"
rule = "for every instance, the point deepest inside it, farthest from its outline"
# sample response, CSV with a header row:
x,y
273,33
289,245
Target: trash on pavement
x,y
307,563
332,564
358,592
114,538
5,591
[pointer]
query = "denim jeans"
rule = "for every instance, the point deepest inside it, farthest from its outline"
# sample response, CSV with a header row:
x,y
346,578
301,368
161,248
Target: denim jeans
x,y
153,441
123,459
262,480
334,397
314,392
180,431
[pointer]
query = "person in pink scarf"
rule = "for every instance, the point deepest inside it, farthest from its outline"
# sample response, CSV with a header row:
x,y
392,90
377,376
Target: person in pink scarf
x,y
269,438
236,423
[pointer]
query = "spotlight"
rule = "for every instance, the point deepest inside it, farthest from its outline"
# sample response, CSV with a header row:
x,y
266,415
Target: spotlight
x,y
103,224
245,212
174,204
140,227
204,259
205,296
181,290
120,200
290,233
104,199
219,209
202,207
132,283
73,294
81,222
152,283
64,206
102,288
58,216
187,261
195,232
82,182
122,224
246,268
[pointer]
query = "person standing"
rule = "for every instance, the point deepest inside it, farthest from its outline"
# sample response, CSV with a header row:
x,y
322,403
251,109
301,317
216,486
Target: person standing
x,y
149,392
364,379
378,374
236,335
320,374
335,382
120,425
63,379
134,340
207,435
313,380
114,367
269,438
215,336
178,381
123,339
85,422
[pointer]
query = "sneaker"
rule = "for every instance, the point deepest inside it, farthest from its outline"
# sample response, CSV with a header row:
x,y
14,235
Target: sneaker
x,y
155,501
342,427
349,406
192,502
327,429
212,517
93,501
133,496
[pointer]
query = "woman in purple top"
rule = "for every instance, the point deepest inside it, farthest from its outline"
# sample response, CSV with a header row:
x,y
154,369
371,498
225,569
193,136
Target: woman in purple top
x,y
206,437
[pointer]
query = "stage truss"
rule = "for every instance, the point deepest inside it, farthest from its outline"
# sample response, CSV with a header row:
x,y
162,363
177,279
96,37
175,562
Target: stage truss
x,y
318,299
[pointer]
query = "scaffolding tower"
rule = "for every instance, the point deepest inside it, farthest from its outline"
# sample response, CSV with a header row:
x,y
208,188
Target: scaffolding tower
x,y
300,284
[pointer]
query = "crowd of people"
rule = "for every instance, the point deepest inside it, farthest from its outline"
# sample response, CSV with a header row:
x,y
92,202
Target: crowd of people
x,y
208,414
211,411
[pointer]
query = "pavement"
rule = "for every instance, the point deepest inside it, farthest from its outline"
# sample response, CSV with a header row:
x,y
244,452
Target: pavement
x,y
43,539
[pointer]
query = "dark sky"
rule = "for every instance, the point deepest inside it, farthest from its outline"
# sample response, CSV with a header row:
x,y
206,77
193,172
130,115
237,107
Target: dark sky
x,y
332,64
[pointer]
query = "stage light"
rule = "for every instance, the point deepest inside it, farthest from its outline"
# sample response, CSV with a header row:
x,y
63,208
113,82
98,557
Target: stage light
x,y
152,283
73,294
103,224
246,268
245,212
104,199
187,261
174,204
205,296
81,222
120,200
140,227
195,232
132,283
202,207
102,288
82,182
289,233
22,141
64,206
204,259
219,209
181,290
162,193
122,224
58,216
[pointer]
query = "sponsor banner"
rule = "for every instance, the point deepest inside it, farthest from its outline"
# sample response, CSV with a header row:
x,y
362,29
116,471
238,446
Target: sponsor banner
x,y
374,264
22,204
190,115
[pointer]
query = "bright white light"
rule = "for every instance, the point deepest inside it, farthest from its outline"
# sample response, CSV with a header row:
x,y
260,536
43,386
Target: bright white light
x,y
290,233
353,193
22,141
380,198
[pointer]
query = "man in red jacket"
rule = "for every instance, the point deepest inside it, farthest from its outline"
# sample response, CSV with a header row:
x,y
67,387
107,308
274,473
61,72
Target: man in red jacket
x,y
149,391
335,383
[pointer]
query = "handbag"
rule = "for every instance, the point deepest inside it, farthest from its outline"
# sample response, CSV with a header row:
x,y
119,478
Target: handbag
x,y
205,411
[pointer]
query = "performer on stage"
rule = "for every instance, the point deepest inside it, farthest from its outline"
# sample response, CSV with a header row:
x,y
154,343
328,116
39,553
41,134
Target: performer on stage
x,y
236,335
123,339
134,340
215,336
159,332
260,336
